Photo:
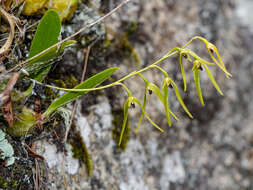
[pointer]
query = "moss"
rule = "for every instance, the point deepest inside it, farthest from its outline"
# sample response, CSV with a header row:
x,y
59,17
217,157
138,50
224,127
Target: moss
x,y
107,41
13,183
129,50
50,94
122,43
60,83
3,183
18,177
131,29
3,83
71,81
17,101
81,152
7,183
117,122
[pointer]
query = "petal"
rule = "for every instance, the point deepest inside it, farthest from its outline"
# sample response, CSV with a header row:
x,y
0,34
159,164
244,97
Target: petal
x,y
182,71
212,79
180,99
150,120
197,83
144,106
126,106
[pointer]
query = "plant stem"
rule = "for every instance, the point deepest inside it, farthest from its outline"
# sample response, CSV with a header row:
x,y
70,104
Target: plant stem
x,y
112,84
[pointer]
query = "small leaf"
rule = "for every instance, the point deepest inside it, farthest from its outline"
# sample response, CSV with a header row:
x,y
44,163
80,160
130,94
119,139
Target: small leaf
x,y
180,99
197,83
71,96
212,79
126,106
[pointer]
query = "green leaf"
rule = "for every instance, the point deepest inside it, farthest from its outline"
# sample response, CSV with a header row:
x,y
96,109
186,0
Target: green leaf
x,y
212,79
71,96
197,83
46,35
180,99
126,106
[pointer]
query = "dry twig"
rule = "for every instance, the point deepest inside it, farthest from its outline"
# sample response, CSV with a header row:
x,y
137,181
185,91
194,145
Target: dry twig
x,y
4,50
33,153
5,99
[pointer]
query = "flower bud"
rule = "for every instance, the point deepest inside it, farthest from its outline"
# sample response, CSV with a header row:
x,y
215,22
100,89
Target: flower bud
x,y
211,50
200,68
184,55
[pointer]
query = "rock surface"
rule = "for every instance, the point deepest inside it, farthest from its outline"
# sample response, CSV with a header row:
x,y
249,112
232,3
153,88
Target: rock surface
x,y
213,151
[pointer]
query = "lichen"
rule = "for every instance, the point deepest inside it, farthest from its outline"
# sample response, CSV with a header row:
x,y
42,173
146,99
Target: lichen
x,y
33,6
65,8
6,150
117,122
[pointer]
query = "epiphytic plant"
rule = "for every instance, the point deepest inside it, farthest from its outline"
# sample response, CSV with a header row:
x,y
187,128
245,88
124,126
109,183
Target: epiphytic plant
x,y
198,64
44,49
